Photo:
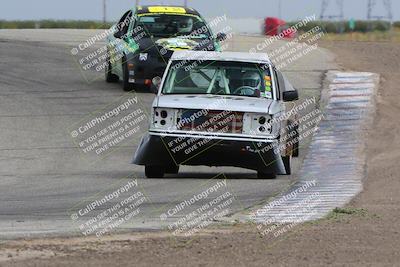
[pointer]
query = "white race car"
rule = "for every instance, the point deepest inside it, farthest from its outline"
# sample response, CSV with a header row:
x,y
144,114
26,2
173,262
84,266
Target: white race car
x,y
220,109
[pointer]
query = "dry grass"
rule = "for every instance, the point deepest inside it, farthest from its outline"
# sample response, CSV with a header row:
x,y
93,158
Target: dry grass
x,y
388,36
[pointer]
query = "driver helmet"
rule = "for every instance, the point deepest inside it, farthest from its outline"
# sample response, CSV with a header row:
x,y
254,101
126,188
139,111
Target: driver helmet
x,y
186,25
252,79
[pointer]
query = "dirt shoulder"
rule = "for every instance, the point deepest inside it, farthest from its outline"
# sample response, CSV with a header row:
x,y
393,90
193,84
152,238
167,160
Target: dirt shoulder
x,y
367,232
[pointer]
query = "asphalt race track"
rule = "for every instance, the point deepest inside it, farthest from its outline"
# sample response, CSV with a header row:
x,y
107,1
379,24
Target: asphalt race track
x,y
42,173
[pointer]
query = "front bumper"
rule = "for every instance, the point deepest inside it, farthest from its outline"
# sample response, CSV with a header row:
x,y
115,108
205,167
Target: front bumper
x,y
146,68
183,150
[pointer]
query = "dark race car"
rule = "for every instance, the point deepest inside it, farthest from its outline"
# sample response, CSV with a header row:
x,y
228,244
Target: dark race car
x,y
144,39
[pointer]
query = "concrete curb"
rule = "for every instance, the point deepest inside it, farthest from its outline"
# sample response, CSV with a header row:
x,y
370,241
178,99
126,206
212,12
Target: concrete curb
x,y
332,172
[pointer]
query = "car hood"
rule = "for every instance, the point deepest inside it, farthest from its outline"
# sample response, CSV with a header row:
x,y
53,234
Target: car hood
x,y
214,102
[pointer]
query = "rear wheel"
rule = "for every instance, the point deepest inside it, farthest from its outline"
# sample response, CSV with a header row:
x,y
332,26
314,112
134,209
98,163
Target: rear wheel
x,y
110,77
154,171
265,175
287,161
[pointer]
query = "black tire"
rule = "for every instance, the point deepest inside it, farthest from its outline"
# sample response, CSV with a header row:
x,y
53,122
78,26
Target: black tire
x,y
110,77
295,151
154,171
126,85
173,169
287,161
265,175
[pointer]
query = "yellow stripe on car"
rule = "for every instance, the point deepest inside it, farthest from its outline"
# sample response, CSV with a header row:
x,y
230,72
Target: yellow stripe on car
x,y
165,9
160,13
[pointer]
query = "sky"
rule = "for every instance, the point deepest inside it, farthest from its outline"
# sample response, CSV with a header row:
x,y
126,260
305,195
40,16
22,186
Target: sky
x,y
93,9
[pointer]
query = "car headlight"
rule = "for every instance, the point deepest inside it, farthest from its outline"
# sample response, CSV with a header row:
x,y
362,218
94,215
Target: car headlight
x,y
164,118
258,124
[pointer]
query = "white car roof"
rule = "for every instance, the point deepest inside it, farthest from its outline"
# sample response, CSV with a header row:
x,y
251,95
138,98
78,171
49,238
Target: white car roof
x,y
220,56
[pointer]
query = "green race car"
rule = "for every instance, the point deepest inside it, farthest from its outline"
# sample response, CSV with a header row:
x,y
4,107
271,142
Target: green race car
x,y
145,38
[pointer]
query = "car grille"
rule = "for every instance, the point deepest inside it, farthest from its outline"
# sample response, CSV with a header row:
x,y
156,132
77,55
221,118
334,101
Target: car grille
x,y
216,121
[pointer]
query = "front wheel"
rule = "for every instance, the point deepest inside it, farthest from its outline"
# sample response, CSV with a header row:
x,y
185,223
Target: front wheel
x,y
154,171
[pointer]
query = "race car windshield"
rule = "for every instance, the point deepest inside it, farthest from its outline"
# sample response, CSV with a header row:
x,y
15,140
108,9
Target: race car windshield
x,y
219,78
167,25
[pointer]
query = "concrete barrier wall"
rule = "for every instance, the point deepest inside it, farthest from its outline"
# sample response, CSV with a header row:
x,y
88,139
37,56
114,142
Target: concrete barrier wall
x,y
240,25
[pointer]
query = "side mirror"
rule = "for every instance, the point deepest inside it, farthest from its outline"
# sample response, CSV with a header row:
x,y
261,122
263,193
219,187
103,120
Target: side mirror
x,y
221,36
290,95
118,34
155,84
